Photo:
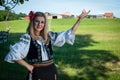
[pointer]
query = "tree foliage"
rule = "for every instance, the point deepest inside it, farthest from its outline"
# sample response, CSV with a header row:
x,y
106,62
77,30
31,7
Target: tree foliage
x,y
11,16
10,4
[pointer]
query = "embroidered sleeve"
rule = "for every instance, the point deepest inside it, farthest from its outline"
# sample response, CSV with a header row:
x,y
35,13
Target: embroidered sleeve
x,y
60,38
19,50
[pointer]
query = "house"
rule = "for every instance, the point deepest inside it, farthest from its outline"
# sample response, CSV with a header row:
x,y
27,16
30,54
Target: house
x,y
26,18
67,15
56,16
48,15
108,15
53,16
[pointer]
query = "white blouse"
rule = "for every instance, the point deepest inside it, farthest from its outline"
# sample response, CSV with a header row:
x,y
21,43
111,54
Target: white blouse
x,y
43,51
20,50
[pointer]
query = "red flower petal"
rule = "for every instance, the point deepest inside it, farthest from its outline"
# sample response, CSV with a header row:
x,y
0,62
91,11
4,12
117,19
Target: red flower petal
x,y
31,15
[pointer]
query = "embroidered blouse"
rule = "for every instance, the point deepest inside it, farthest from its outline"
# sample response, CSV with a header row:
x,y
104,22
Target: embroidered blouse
x,y
20,50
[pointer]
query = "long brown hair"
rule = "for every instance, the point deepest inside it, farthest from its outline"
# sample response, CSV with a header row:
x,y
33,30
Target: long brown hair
x,y
44,32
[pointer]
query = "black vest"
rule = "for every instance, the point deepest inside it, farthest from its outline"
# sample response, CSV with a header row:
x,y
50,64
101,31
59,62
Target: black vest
x,y
34,53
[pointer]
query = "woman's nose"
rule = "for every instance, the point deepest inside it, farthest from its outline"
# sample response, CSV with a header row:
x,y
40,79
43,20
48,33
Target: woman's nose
x,y
39,23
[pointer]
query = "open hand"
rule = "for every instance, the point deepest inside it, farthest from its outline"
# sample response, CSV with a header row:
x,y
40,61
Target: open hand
x,y
84,14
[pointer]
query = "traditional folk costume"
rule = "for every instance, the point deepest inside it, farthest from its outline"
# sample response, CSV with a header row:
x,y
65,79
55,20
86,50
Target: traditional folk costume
x,y
40,54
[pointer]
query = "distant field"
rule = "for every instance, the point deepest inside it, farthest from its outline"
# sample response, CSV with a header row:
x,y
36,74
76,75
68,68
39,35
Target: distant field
x,y
95,54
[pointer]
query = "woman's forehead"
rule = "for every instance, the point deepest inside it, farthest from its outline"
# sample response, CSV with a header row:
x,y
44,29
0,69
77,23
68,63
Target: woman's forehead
x,y
40,18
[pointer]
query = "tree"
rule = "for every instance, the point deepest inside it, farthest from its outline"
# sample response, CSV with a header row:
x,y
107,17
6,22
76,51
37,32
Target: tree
x,y
3,14
12,15
22,14
10,4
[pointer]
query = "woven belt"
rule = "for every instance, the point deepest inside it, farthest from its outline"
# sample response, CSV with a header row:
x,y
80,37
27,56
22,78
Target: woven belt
x,y
43,64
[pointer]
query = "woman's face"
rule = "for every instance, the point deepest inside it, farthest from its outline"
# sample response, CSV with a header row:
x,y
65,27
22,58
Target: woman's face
x,y
39,23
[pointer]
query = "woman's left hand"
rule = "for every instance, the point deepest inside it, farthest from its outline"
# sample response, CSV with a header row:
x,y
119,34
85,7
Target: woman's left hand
x,y
84,14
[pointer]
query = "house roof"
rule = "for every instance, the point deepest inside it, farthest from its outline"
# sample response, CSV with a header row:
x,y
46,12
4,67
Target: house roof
x,y
108,14
64,15
26,18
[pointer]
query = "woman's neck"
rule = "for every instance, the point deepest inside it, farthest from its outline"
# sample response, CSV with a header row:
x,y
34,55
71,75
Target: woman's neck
x,y
37,33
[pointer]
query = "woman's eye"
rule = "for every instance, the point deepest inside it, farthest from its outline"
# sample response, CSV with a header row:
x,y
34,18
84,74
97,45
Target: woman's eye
x,y
37,21
42,21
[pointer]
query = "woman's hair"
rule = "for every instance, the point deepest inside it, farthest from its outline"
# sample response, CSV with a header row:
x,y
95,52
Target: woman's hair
x,y
30,29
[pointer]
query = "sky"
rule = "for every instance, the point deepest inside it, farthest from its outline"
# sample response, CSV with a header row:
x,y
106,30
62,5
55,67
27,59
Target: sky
x,y
97,7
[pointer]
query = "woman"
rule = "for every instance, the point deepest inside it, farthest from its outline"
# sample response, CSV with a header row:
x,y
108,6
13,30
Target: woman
x,y
37,44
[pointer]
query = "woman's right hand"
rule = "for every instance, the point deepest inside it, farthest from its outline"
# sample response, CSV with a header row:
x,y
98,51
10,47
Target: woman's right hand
x,y
25,64
30,68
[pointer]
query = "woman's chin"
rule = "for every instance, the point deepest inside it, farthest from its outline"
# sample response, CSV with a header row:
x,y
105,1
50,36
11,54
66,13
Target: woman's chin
x,y
38,29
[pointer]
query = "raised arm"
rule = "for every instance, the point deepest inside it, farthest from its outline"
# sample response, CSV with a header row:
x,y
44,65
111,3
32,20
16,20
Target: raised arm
x,y
81,16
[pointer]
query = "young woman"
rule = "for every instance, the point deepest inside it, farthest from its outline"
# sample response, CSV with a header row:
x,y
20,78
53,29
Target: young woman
x,y
37,44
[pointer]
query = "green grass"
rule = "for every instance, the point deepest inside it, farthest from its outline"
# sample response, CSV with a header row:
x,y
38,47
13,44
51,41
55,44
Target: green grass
x,y
94,55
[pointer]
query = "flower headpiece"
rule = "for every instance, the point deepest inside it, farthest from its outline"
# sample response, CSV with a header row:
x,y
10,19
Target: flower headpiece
x,y
31,15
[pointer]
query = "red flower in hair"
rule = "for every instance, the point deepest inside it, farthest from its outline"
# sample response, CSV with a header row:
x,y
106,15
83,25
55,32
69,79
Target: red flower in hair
x,y
31,15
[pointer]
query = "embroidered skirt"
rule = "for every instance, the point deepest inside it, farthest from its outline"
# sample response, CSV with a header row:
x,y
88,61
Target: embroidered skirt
x,y
44,73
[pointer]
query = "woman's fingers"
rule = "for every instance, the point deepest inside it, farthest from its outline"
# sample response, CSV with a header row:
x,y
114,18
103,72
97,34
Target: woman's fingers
x,y
88,12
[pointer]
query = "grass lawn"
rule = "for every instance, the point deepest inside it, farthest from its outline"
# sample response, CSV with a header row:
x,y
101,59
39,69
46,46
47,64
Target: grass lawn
x,y
95,54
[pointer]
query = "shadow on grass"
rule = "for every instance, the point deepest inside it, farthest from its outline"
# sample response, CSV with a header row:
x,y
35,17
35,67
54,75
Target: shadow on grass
x,y
88,64
10,71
